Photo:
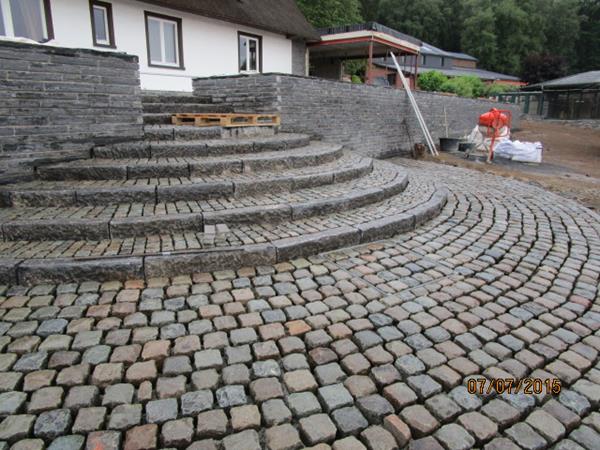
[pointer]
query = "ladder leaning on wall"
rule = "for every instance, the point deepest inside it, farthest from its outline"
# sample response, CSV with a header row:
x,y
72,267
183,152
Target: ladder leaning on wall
x,y
415,107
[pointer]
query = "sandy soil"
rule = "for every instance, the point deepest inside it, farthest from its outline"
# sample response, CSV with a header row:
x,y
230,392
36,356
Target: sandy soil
x,y
571,165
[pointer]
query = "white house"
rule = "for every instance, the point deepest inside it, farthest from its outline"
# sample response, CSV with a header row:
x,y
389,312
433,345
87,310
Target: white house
x,y
175,40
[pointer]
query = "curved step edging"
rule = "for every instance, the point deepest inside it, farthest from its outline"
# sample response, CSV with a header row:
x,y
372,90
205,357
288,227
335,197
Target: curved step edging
x,y
200,147
113,170
296,247
203,190
98,229
36,271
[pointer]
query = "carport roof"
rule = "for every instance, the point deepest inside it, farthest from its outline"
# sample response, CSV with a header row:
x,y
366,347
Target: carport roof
x,y
353,41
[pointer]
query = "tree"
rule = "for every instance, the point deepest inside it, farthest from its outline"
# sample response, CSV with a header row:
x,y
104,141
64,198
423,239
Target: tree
x,y
502,34
328,13
454,16
562,29
478,36
420,18
539,67
588,42
513,36
369,9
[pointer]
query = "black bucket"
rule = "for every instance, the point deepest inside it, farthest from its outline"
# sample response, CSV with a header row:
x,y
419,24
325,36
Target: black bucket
x,y
449,144
466,146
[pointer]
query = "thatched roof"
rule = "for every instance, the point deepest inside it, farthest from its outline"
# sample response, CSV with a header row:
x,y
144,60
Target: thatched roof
x,y
279,16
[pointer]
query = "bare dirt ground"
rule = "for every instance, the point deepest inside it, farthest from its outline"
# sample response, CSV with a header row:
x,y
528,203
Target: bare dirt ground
x,y
570,167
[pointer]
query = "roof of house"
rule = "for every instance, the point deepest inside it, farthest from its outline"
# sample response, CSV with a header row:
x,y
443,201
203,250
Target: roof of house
x,y
583,79
428,49
369,26
279,16
479,73
459,72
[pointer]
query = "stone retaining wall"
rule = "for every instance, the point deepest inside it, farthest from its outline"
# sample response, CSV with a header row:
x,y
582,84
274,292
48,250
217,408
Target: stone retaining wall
x,y
377,121
56,103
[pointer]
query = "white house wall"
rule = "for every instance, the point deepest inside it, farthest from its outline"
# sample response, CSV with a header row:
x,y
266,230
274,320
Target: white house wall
x,y
210,47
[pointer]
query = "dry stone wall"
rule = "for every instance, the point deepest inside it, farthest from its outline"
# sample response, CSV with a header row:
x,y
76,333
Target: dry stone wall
x,y
56,103
374,120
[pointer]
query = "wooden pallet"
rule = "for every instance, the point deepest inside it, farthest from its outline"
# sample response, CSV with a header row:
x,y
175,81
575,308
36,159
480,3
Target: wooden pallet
x,y
227,120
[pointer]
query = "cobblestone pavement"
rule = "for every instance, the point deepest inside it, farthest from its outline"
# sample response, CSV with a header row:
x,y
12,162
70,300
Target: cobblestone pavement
x,y
367,347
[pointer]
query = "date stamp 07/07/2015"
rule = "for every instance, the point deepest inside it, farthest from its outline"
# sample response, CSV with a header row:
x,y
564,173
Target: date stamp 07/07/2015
x,y
513,386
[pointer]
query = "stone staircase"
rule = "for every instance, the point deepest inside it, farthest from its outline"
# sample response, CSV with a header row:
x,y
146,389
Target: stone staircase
x,y
159,106
189,199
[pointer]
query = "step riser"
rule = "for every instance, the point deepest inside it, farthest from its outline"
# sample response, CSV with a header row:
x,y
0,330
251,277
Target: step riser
x,y
177,108
52,230
31,272
175,170
181,150
94,230
175,99
170,133
157,119
146,226
155,194
162,114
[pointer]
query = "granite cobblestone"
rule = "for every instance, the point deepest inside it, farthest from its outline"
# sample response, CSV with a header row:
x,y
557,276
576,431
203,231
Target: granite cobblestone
x,y
364,347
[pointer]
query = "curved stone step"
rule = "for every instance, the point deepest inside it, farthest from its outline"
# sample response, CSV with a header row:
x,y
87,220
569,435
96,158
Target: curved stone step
x,y
203,147
129,169
155,190
181,133
189,133
137,220
169,255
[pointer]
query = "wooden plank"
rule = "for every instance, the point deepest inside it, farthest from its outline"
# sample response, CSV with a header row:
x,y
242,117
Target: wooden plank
x,y
226,120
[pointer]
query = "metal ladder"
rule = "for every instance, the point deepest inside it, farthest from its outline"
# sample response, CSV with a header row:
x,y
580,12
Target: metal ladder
x,y
415,107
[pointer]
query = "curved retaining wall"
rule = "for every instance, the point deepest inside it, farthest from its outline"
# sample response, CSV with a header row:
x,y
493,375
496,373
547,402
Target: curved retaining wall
x,y
374,120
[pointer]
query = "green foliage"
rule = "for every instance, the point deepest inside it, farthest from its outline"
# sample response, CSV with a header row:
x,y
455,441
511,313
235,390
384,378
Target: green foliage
x,y
500,33
588,42
468,86
493,89
432,81
356,79
541,67
479,33
369,9
356,67
419,18
328,13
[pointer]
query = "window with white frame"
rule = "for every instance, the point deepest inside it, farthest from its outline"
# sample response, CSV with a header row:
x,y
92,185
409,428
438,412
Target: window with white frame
x,y
250,53
163,35
102,24
26,18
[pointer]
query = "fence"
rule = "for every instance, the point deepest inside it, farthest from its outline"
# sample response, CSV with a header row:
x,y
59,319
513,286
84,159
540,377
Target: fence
x,y
531,103
572,104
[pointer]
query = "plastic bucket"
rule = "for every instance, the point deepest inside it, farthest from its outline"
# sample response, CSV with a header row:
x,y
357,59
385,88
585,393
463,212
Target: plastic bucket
x,y
449,144
465,146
